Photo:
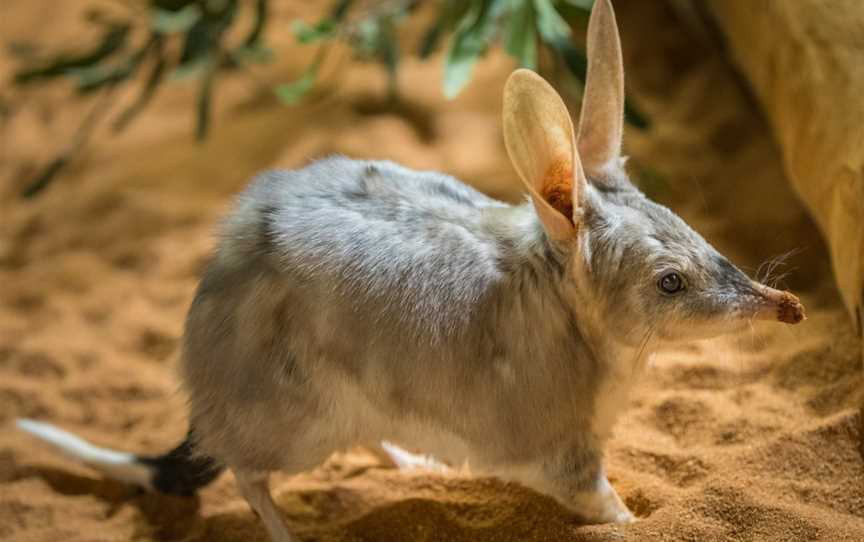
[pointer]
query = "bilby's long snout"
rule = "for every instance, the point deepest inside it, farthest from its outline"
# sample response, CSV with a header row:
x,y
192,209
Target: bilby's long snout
x,y
778,305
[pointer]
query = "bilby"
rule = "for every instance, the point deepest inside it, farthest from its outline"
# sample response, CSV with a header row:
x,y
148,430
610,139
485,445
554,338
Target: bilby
x,y
354,302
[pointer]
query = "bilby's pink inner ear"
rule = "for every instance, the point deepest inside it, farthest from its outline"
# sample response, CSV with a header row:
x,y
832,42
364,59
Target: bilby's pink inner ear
x,y
601,122
540,140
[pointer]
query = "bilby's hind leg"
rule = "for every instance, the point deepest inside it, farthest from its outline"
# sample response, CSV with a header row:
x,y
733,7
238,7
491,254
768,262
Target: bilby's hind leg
x,y
255,488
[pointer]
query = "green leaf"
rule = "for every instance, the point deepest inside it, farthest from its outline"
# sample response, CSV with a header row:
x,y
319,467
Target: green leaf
x,y
521,34
253,54
388,45
196,43
94,77
292,93
365,38
430,39
189,70
584,5
388,52
203,39
259,22
170,22
471,40
550,23
321,31
114,39
460,61
205,97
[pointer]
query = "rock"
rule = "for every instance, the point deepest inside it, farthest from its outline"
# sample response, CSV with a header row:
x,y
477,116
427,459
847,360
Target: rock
x,y
803,59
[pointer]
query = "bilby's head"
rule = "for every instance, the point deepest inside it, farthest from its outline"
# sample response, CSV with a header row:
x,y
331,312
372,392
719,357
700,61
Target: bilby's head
x,y
637,266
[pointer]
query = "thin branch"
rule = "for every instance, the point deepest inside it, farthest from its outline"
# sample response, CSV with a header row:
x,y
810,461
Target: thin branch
x,y
79,140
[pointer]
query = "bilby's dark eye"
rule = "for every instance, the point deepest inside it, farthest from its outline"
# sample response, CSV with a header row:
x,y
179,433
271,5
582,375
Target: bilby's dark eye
x,y
671,283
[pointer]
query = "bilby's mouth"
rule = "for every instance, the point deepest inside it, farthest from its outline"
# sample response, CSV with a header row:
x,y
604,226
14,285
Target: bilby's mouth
x,y
778,305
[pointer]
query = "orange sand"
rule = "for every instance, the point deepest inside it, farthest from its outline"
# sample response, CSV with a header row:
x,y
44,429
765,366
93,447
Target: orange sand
x,y
749,437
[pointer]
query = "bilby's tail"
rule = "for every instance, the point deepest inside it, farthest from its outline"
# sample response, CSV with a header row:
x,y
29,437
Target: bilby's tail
x,y
178,472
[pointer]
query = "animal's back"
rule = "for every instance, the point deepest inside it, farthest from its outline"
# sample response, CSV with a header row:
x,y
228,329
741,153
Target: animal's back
x,y
373,232
344,278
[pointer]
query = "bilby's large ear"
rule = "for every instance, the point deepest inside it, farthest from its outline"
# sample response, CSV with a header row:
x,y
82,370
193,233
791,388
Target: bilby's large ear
x,y
540,140
601,123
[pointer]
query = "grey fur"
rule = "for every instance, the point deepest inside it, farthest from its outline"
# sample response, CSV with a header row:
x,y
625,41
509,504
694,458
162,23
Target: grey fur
x,y
351,302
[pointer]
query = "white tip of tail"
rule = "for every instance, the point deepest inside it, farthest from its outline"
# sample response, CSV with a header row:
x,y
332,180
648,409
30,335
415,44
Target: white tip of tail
x,y
116,465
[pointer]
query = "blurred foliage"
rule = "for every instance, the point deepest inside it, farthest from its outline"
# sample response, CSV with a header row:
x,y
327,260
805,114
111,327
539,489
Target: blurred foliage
x,y
200,26
370,28
470,27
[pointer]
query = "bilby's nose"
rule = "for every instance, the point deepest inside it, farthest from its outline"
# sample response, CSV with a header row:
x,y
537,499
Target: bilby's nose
x,y
778,305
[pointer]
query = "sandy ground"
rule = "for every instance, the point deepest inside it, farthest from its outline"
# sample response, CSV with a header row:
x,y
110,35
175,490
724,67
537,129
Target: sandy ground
x,y
749,437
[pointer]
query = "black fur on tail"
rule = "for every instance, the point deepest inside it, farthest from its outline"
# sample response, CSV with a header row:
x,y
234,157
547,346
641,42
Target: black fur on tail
x,y
182,471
